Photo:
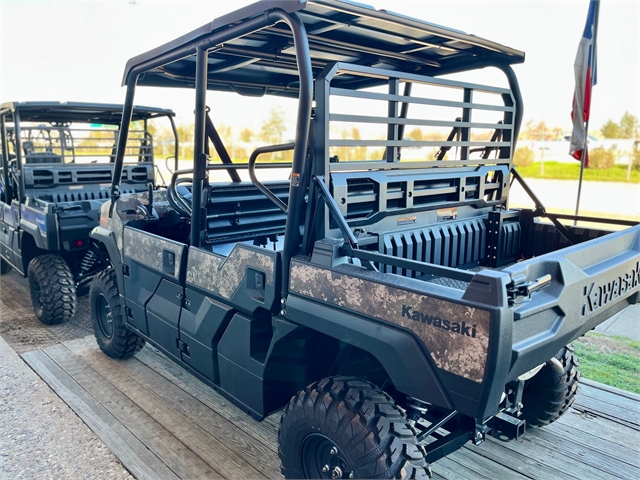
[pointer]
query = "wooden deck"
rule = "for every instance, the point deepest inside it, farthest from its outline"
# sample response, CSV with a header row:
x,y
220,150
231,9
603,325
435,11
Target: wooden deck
x,y
163,423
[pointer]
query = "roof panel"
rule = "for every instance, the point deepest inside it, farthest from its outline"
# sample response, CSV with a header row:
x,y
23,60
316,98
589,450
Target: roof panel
x,y
79,112
337,31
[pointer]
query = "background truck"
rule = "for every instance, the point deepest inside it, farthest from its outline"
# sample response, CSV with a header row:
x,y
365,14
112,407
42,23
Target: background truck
x,y
57,164
389,300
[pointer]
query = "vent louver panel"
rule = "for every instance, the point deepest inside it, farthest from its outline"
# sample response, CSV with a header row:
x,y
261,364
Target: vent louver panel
x,y
94,176
450,245
42,178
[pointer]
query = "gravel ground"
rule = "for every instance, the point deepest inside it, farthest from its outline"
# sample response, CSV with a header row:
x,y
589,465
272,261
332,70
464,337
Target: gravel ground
x,y
40,436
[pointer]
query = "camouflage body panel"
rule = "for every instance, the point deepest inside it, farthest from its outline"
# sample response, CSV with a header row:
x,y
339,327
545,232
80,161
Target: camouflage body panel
x,y
147,249
223,275
457,336
126,210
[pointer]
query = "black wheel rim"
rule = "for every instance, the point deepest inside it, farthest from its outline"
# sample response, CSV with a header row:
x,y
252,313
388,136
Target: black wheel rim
x,y
105,318
321,458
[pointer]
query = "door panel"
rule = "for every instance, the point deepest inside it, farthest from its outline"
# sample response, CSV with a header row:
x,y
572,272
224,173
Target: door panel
x,y
216,287
163,316
153,270
201,327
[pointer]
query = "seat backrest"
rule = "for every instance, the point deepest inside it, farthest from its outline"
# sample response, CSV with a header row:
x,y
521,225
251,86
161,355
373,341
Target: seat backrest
x,y
42,157
239,211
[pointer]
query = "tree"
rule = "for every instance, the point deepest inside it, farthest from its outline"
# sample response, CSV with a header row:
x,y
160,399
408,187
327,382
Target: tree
x,y
557,133
185,134
537,131
274,126
611,130
628,126
246,135
415,134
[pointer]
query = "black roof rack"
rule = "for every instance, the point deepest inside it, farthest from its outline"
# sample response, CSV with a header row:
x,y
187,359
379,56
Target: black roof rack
x,y
263,61
80,112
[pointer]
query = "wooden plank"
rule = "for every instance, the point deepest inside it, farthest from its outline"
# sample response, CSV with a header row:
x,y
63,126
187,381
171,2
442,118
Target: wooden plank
x,y
451,470
135,457
603,428
563,445
610,389
484,466
623,402
603,408
569,448
549,457
526,464
263,431
208,448
263,456
170,450
595,442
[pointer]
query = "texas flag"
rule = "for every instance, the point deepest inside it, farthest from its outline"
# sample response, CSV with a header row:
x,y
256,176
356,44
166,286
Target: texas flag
x,y
585,74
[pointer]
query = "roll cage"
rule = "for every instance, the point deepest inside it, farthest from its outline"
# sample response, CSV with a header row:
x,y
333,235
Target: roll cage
x,y
19,120
281,48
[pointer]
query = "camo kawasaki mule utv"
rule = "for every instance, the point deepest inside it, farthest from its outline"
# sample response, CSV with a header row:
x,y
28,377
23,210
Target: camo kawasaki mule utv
x,y
57,163
374,292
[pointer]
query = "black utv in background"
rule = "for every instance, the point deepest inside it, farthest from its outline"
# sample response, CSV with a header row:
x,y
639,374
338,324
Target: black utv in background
x,y
57,166
380,289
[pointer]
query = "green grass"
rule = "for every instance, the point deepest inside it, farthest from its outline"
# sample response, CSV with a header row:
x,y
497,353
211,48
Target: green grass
x,y
614,361
571,171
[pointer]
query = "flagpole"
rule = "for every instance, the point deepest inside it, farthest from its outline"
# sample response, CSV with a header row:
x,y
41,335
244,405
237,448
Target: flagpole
x,y
584,150
586,137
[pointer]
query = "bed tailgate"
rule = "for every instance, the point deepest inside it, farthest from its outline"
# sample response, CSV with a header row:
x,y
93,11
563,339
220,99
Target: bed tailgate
x,y
589,283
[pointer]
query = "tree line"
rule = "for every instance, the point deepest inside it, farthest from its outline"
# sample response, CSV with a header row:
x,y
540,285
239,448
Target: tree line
x,y
240,142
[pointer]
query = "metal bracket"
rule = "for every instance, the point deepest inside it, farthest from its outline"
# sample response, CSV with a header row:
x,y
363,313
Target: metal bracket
x,y
183,347
335,212
184,301
519,291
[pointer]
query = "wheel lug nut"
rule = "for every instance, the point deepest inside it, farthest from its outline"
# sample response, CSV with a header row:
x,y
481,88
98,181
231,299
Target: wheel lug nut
x,y
334,451
325,468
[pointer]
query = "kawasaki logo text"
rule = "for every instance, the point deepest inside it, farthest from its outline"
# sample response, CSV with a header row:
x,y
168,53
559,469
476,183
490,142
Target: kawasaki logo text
x,y
454,327
596,296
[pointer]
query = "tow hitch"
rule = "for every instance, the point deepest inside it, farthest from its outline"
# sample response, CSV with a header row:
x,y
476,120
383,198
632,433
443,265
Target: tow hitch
x,y
507,427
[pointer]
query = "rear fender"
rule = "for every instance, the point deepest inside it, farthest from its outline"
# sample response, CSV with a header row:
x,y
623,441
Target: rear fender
x,y
397,351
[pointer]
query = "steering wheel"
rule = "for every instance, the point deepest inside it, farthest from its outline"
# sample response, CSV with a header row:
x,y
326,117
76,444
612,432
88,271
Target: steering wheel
x,y
179,196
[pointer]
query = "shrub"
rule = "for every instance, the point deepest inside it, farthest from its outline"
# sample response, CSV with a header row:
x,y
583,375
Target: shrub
x,y
635,158
523,157
601,158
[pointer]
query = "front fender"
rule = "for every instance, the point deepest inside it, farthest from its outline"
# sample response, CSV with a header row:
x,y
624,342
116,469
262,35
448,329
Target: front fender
x,y
107,239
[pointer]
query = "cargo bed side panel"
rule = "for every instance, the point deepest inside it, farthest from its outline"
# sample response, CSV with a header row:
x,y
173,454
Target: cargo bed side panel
x,y
590,282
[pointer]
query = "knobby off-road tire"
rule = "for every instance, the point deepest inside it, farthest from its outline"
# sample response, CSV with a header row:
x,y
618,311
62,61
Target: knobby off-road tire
x,y
113,337
4,267
550,392
53,289
350,424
